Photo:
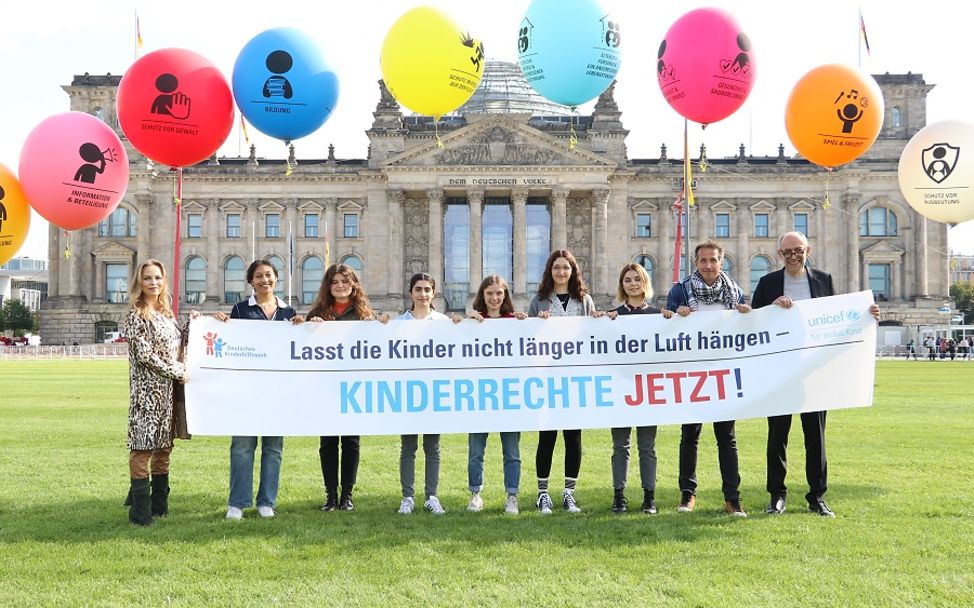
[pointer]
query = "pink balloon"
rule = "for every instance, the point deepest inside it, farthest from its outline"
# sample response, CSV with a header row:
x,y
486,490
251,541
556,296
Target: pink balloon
x,y
74,170
705,66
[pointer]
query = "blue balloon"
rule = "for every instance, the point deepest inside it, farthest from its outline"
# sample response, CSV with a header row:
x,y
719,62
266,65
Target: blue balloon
x,y
282,84
568,49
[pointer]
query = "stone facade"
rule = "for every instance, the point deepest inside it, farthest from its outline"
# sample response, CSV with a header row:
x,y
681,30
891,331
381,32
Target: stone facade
x,y
387,213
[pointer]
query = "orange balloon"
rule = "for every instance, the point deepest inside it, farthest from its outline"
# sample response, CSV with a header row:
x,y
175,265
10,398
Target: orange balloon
x,y
14,215
834,114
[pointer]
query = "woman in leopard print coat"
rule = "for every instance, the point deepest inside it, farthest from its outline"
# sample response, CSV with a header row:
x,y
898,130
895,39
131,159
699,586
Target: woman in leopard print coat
x,y
153,338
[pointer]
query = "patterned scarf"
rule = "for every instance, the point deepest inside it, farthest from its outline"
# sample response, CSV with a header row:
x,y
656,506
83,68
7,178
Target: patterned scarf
x,y
724,291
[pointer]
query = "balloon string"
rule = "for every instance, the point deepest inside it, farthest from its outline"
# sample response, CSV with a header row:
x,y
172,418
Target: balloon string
x,y
67,245
572,135
828,182
436,133
290,170
687,169
177,197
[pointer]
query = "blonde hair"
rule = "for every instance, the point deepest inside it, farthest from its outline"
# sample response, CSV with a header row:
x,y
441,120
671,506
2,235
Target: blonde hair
x,y
643,276
136,300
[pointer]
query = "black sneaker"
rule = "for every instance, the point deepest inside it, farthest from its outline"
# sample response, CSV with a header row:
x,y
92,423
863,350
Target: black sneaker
x,y
649,503
330,503
819,507
776,506
345,502
620,504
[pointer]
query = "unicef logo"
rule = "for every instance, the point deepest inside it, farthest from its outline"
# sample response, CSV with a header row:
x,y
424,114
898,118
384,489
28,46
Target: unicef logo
x,y
853,315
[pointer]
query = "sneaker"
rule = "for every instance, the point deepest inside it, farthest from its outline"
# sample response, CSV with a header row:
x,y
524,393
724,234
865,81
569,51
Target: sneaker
x,y
734,508
406,506
330,503
776,506
568,501
234,513
476,502
265,511
649,503
620,504
433,505
687,501
510,507
820,508
345,502
544,503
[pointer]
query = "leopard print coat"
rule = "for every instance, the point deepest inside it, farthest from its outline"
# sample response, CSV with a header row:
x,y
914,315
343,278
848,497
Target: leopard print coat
x,y
153,365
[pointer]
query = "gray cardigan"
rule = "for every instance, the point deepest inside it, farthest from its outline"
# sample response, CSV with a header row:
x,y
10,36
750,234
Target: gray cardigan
x,y
553,305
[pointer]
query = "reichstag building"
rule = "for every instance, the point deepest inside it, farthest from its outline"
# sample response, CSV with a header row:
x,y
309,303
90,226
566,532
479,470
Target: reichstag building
x,y
504,190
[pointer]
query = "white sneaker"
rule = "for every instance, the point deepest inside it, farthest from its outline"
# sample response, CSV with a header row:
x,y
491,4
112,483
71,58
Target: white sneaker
x,y
265,511
510,507
544,503
476,502
406,506
433,505
568,501
235,513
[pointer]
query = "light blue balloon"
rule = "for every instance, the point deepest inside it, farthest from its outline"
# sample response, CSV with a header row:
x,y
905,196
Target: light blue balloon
x,y
282,84
568,49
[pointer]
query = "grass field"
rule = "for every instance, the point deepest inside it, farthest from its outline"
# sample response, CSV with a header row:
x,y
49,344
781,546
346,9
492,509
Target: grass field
x,y
900,481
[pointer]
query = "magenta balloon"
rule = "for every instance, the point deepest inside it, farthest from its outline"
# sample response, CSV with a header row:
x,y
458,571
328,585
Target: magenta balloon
x,y
705,66
74,170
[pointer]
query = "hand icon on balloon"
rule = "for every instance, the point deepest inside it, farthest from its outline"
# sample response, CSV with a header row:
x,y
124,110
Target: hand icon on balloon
x,y
180,106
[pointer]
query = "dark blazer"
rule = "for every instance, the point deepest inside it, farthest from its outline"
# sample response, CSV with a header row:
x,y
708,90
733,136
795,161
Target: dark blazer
x,y
772,286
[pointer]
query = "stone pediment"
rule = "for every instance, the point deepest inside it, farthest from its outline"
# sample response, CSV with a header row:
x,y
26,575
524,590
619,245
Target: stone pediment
x,y
883,249
113,250
498,141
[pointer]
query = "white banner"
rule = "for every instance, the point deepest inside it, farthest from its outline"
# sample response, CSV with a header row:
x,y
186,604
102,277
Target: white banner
x,y
366,378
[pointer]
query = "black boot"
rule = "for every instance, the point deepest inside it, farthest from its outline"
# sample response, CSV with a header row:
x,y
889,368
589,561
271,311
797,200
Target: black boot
x,y
160,495
345,502
331,502
620,504
649,502
140,511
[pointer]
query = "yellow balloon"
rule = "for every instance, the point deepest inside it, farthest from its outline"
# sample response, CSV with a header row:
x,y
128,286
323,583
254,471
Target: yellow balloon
x,y
428,64
14,215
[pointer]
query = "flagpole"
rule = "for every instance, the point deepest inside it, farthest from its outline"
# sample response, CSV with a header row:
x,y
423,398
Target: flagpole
x,y
859,37
290,261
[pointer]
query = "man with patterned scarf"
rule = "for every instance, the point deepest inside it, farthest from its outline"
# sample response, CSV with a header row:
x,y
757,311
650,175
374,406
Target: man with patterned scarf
x,y
708,288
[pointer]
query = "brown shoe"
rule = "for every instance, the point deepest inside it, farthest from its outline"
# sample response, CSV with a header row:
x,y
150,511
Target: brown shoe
x,y
734,507
687,501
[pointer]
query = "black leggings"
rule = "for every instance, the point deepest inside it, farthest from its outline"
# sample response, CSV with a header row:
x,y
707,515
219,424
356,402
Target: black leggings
x,y
546,449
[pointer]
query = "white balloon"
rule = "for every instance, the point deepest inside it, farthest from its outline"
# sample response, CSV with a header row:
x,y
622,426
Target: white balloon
x,y
936,171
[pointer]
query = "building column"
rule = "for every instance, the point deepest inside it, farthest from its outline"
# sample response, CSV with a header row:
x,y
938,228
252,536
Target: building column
x,y
100,294
74,263
864,273
395,199
53,260
332,228
600,204
559,218
289,219
662,225
852,229
923,278
821,257
475,200
214,220
743,255
435,198
144,204
519,198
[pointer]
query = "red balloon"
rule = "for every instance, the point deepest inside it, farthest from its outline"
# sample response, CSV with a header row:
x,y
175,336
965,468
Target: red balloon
x,y
175,107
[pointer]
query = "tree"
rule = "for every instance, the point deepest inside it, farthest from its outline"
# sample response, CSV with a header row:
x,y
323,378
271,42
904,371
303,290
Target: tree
x,y
963,294
16,316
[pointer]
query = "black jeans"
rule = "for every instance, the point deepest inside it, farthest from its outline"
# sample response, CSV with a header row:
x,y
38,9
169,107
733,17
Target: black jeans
x,y
328,454
726,456
816,464
546,449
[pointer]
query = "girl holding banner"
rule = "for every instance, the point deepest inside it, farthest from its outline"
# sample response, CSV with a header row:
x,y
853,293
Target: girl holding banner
x,y
340,298
493,301
562,293
262,306
634,291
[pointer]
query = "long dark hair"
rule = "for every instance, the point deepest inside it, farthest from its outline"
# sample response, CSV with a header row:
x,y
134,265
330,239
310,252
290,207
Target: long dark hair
x,y
576,284
324,304
480,303
416,278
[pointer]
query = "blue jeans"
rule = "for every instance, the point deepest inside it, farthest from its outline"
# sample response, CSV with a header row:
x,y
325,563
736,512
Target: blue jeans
x,y
242,471
510,446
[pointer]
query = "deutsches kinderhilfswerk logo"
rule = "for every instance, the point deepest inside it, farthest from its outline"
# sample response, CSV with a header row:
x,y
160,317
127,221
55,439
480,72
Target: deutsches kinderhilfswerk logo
x,y
829,326
216,347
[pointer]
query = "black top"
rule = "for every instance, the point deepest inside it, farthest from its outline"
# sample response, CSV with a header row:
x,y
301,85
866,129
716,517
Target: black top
x,y
250,309
772,286
625,309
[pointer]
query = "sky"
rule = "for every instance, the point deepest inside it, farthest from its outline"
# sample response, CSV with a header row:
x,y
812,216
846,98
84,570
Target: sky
x,y
43,44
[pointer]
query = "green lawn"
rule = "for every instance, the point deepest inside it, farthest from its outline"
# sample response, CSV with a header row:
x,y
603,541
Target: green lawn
x,y
901,483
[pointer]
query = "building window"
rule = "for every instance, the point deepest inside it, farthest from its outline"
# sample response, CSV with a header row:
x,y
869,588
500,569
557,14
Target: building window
x,y
194,226
456,253
760,266
278,265
233,225
195,280
727,266
722,226
877,221
761,225
897,117
312,270
272,225
233,280
116,283
350,225
99,113
801,223
538,244
879,281
355,263
103,329
644,225
121,223
646,262
498,238
310,225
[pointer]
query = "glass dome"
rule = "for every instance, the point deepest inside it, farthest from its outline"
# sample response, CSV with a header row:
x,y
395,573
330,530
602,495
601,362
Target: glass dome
x,y
503,89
